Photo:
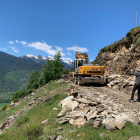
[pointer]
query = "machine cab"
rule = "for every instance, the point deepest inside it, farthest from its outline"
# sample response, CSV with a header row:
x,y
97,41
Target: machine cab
x,y
78,63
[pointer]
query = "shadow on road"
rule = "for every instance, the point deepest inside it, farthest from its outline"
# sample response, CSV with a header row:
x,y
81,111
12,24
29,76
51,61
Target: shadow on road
x,y
94,85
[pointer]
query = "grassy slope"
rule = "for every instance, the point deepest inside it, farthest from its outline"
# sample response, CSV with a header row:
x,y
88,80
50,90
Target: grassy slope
x,y
2,105
135,32
29,127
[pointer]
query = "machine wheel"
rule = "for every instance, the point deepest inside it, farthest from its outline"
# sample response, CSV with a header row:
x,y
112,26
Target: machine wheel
x,y
75,80
78,80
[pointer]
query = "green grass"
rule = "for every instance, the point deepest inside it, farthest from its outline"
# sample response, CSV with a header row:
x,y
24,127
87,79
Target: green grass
x,y
2,105
133,32
137,43
29,127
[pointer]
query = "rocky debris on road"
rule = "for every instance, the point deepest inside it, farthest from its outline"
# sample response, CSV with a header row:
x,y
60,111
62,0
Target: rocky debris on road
x,y
124,83
96,106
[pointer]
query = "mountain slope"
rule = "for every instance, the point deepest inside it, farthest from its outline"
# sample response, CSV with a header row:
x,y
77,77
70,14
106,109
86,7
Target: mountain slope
x,y
41,60
36,116
122,55
14,72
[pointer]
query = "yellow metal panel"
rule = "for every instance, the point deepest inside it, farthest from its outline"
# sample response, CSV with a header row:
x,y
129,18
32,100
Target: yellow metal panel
x,y
91,70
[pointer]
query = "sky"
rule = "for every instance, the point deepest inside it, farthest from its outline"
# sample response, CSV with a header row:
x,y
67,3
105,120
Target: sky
x,y
43,27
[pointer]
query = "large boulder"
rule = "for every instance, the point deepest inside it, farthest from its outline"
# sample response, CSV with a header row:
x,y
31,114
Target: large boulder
x,y
109,123
119,122
79,121
91,115
71,104
66,99
75,114
62,120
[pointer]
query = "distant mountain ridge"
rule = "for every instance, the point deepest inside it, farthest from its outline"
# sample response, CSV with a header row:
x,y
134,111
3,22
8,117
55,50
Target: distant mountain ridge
x,y
41,60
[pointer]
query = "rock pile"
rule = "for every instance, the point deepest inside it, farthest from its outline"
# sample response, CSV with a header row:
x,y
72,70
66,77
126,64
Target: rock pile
x,y
121,82
96,107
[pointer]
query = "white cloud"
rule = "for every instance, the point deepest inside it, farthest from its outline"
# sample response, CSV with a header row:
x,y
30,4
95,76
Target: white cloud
x,y
45,47
14,49
69,53
91,59
22,42
59,48
17,41
4,49
77,49
11,42
66,59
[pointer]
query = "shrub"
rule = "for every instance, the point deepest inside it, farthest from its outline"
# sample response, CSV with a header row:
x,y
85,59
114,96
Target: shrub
x,y
133,31
4,108
41,81
19,94
65,71
16,100
29,91
136,38
34,132
129,34
22,120
136,45
51,81
12,102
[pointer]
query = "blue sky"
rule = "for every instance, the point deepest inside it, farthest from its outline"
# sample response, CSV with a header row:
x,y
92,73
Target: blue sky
x,y
43,27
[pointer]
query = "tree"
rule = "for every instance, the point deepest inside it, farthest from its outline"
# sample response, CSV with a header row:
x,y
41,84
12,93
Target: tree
x,y
19,94
33,80
52,69
57,66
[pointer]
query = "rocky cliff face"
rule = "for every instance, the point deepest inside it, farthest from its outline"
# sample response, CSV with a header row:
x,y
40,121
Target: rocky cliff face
x,y
122,55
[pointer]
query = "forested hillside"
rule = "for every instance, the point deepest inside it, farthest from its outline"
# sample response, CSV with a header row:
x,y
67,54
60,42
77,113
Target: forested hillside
x,y
14,73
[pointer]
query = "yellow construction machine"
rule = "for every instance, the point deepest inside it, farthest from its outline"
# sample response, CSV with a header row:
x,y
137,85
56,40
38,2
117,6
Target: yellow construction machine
x,y
86,73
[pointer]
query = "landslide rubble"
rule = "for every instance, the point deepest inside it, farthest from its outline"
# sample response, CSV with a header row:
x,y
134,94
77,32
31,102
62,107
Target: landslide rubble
x,y
123,83
97,106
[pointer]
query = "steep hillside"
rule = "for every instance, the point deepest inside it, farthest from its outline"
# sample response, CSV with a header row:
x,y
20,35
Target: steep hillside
x,y
88,113
14,72
122,55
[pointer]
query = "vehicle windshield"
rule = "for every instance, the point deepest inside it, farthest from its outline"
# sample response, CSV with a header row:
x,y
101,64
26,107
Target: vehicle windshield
x,y
81,63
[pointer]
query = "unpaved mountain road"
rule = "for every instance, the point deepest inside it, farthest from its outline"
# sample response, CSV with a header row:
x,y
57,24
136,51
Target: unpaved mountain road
x,y
113,96
113,100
